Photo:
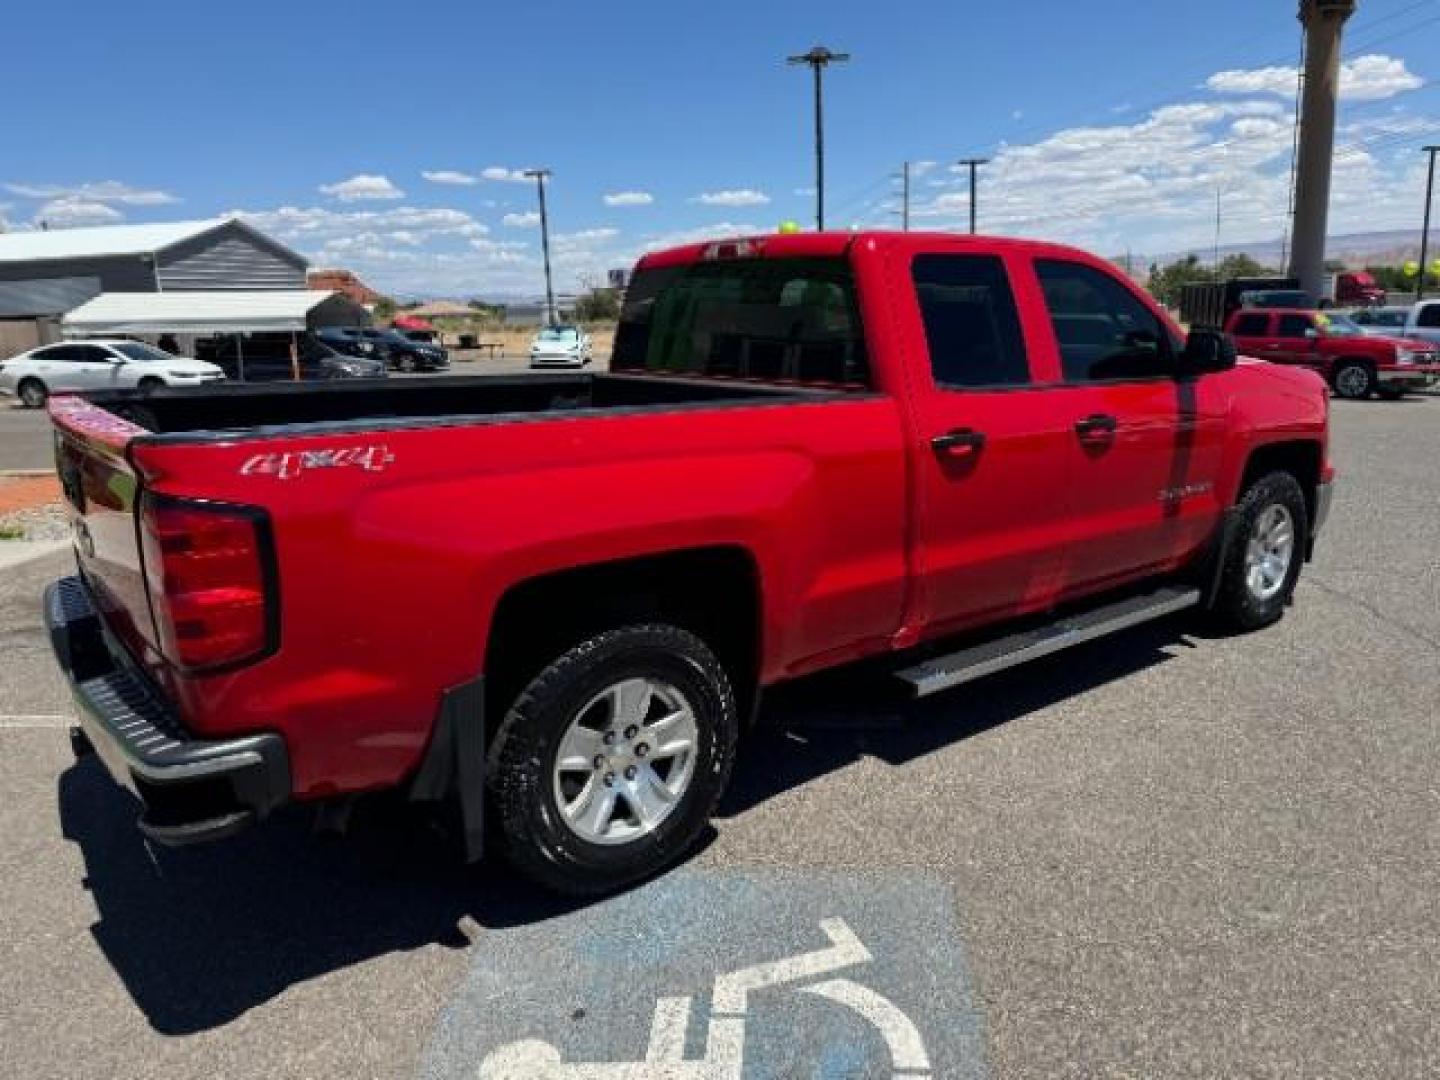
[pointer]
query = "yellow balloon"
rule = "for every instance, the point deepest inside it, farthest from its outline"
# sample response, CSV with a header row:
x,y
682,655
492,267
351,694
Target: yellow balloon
x,y
789,227
1435,266
1411,268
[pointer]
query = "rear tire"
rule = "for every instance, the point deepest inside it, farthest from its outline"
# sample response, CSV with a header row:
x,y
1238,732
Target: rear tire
x,y
1354,379
587,777
1263,562
33,394
149,385
406,364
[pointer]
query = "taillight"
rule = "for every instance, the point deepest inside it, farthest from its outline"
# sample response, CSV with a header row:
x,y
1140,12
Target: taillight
x,y
209,570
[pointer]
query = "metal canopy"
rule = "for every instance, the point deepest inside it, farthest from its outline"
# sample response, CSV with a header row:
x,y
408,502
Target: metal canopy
x,y
229,312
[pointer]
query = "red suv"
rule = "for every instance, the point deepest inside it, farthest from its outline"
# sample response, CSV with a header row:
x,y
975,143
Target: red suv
x,y
1356,366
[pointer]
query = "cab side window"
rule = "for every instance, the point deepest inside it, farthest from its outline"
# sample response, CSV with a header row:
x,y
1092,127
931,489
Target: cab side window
x,y
1252,324
1429,316
972,328
1293,326
1104,331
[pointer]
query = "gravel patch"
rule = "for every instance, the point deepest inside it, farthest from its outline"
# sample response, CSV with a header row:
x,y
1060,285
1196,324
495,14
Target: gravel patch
x,y
36,523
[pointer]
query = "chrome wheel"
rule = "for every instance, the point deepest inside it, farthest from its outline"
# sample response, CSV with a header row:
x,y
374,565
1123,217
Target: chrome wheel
x,y
1352,381
1269,552
626,761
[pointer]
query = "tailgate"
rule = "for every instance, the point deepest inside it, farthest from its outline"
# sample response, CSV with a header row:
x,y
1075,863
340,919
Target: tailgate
x,y
101,491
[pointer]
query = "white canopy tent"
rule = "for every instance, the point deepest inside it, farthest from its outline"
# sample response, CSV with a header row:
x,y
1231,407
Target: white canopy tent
x,y
240,311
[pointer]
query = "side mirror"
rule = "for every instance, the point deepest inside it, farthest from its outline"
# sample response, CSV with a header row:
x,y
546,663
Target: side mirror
x,y
1207,351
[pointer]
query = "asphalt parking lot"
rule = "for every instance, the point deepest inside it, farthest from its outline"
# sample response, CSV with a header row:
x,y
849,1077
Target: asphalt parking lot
x,y
1167,854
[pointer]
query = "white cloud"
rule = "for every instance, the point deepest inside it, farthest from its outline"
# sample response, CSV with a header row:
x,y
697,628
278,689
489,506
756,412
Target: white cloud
x,y
499,172
71,212
1366,78
450,176
805,192
584,239
104,191
527,220
629,198
362,187
309,225
732,197
920,168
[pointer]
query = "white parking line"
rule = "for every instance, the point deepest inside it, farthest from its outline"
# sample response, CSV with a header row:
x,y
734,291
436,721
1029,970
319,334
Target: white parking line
x,y
22,723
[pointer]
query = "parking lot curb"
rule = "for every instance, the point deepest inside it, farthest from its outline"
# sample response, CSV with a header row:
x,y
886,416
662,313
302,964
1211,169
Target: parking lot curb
x,y
24,474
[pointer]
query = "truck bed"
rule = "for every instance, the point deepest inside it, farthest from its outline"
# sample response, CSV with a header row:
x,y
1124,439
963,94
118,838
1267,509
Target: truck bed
x,y
399,403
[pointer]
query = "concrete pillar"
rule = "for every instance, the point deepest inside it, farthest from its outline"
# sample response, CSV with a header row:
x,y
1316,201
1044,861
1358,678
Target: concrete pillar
x,y
1323,21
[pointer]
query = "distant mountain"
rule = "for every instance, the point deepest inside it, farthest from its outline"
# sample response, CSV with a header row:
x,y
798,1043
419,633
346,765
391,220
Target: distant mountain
x,y
1359,249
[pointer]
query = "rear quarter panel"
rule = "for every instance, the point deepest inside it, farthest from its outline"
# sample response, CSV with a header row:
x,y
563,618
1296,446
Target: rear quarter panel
x,y
389,575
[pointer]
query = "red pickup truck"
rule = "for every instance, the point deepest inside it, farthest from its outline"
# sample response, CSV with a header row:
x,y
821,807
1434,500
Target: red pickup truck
x,y
557,598
1338,349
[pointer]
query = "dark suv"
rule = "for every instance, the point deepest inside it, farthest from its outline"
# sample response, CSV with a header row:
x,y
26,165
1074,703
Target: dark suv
x,y
265,357
398,351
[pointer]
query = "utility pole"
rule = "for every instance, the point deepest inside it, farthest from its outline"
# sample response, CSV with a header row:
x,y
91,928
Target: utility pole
x,y
974,163
819,58
905,197
1216,262
540,176
1324,21
1425,232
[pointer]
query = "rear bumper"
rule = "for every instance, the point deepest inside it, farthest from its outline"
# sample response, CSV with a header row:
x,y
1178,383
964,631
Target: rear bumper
x,y
192,789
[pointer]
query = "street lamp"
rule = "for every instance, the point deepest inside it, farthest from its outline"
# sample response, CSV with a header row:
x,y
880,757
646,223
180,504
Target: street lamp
x,y
1425,232
819,58
540,176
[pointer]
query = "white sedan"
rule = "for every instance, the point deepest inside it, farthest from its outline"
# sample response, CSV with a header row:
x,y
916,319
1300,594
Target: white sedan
x,y
557,346
99,365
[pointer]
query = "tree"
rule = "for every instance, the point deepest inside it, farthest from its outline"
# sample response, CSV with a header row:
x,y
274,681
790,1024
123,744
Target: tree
x,y
1166,282
598,305
384,308
1242,265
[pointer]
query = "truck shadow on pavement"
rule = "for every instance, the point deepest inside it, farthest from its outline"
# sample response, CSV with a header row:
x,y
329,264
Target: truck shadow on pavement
x,y
201,935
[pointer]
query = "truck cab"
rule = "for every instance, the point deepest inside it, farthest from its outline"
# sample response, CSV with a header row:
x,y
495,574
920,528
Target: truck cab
x,y
1354,363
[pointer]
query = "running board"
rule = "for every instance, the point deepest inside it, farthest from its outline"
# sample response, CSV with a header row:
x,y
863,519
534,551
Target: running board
x,y
988,657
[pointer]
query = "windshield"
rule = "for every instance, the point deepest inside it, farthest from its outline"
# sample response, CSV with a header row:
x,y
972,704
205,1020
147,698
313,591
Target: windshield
x,y
138,350
1387,318
558,333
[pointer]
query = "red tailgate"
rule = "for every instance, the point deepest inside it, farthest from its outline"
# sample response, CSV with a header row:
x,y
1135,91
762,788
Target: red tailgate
x,y
101,490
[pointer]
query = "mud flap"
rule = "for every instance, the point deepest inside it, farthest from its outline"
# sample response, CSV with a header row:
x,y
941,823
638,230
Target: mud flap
x,y
454,763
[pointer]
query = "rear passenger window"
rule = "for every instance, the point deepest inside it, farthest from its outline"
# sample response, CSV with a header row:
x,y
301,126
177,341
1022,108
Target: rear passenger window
x,y
1293,326
971,326
777,320
1252,324
1429,316
1103,329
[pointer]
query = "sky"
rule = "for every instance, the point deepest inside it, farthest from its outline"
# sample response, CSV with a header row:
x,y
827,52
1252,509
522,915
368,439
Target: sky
x,y
389,139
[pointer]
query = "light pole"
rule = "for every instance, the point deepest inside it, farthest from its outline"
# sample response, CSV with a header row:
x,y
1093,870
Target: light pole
x,y
974,163
1425,232
819,58
540,176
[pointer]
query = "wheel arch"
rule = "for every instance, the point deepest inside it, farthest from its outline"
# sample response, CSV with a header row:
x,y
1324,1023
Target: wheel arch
x,y
714,592
1301,458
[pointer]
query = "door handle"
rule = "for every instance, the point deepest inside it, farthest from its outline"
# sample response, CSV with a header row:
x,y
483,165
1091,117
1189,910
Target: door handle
x,y
1096,426
959,442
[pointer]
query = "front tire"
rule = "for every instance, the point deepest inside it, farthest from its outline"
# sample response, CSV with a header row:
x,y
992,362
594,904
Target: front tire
x,y
609,764
1354,380
1263,561
33,394
149,385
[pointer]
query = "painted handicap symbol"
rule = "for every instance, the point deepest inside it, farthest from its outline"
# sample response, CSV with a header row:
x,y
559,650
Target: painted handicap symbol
x,y
665,1059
